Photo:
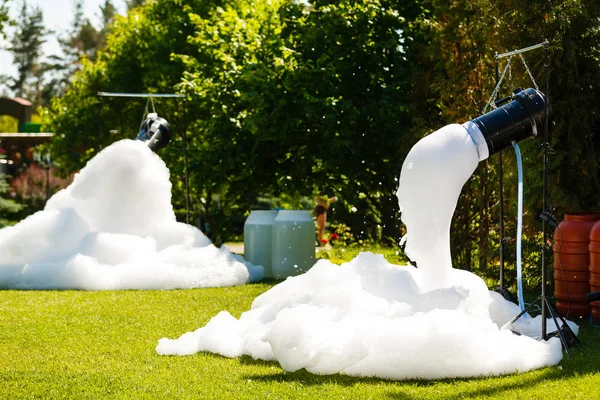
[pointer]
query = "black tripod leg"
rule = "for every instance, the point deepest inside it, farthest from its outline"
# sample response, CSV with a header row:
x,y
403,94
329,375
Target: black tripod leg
x,y
522,313
554,313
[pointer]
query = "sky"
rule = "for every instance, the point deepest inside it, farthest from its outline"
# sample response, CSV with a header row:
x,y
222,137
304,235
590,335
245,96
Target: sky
x,y
58,16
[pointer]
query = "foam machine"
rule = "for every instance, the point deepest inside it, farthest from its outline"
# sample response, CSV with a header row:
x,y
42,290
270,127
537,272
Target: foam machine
x,y
516,118
155,132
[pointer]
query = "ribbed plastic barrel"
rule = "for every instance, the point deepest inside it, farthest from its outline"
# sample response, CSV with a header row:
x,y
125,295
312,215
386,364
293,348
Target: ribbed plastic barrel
x,y
594,248
571,263
293,243
258,230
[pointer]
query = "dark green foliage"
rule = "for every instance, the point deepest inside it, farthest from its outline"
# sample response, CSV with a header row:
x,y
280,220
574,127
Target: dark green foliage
x,y
296,100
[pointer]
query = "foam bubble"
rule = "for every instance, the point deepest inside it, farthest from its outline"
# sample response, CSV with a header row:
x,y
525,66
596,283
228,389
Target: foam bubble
x,y
114,228
368,317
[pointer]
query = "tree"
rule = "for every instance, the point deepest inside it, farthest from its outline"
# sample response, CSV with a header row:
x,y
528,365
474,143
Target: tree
x,y
107,12
318,93
26,46
79,41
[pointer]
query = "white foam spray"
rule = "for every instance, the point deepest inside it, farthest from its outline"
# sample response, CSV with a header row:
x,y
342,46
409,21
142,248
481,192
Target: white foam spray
x,y
368,317
114,228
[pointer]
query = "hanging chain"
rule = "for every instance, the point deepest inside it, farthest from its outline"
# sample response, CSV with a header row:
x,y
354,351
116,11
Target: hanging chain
x,y
145,114
152,102
149,101
508,68
528,72
490,102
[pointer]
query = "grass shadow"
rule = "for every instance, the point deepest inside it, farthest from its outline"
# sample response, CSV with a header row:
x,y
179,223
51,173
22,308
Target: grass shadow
x,y
484,387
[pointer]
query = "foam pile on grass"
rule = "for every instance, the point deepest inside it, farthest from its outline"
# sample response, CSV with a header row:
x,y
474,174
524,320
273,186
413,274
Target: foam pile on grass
x,y
368,317
114,228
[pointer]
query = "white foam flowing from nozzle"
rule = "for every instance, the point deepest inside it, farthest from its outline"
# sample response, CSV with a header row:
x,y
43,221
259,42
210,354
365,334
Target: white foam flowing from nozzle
x,y
432,177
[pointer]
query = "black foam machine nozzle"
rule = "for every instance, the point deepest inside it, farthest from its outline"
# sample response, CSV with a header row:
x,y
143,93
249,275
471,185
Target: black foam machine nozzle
x,y
155,132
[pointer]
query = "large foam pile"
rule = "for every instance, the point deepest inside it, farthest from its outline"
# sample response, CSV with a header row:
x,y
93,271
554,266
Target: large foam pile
x,y
371,318
114,228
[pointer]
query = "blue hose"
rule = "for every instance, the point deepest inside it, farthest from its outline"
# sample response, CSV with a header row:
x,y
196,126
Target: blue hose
x,y
519,226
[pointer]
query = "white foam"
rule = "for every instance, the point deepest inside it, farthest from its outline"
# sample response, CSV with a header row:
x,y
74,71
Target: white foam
x,y
114,228
368,317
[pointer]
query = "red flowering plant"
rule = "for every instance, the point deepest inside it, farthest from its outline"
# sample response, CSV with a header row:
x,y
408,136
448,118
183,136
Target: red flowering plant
x,y
333,237
341,234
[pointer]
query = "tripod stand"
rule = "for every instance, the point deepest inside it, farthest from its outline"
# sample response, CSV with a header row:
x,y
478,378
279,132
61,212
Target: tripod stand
x,y
567,337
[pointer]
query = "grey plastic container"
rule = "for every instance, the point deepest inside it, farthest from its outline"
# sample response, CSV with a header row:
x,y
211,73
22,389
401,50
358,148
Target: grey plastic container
x,y
293,244
257,239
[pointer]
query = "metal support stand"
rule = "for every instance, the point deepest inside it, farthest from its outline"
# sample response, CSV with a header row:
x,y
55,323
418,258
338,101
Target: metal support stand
x,y
501,288
564,332
502,240
185,144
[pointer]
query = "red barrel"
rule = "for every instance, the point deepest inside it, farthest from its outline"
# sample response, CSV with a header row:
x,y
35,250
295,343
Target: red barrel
x,y
594,248
571,263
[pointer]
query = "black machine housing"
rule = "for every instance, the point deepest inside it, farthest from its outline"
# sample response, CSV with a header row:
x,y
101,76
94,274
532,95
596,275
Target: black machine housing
x,y
155,131
520,118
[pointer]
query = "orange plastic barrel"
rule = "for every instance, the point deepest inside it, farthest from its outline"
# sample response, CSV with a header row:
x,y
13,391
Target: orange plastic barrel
x,y
594,248
571,263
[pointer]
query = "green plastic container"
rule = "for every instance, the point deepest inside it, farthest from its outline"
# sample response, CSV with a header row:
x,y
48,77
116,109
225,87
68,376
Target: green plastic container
x,y
257,239
293,244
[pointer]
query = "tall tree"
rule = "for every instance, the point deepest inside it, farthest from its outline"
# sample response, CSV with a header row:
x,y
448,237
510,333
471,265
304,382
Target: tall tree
x,y
26,46
80,40
108,11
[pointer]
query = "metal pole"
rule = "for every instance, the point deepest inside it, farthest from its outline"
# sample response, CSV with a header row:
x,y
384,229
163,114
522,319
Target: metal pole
x,y
138,95
523,50
544,189
185,152
98,123
47,182
501,198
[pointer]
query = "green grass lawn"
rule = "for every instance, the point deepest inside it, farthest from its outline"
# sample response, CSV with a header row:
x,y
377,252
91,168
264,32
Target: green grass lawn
x,y
76,344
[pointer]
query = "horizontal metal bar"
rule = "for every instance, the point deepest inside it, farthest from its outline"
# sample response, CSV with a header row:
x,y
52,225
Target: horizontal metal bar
x,y
523,50
139,95
21,135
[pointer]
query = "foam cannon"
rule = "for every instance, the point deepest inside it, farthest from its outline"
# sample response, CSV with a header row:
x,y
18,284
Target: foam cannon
x,y
155,132
520,116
